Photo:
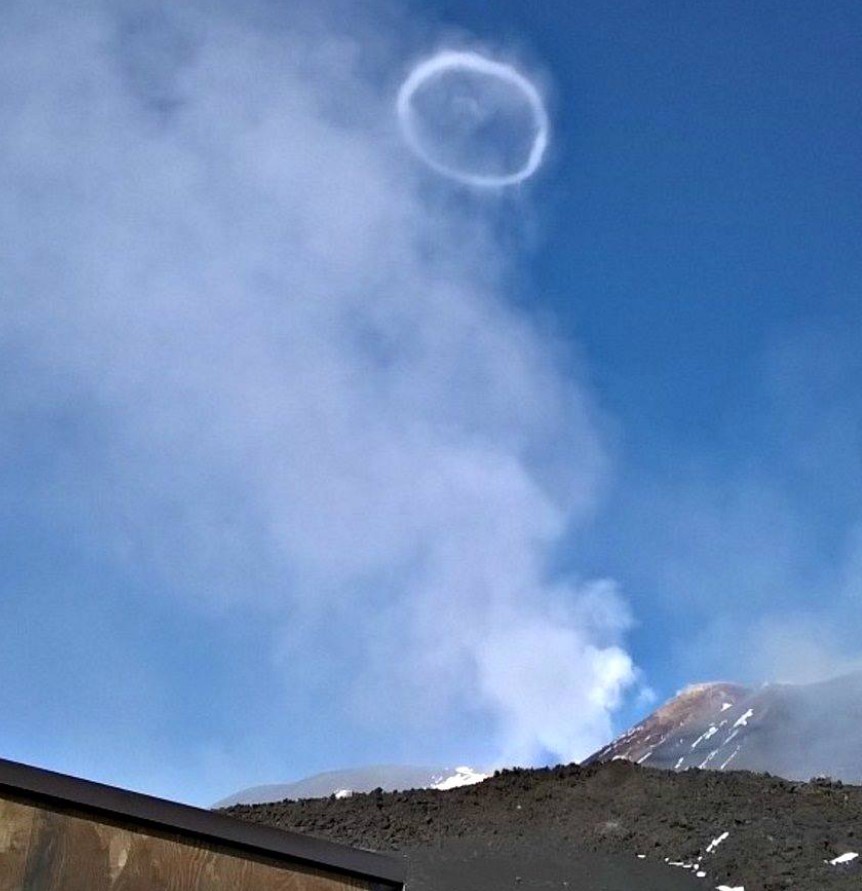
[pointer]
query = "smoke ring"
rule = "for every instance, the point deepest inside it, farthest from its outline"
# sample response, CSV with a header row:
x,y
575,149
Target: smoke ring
x,y
450,60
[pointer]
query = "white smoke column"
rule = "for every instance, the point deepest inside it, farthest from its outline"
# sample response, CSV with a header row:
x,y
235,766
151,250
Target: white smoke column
x,y
475,114
302,387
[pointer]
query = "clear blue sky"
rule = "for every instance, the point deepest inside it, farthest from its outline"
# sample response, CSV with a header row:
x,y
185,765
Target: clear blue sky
x,y
702,217
285,418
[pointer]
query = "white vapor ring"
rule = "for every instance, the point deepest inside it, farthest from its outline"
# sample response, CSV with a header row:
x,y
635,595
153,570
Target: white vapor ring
x,y
449,61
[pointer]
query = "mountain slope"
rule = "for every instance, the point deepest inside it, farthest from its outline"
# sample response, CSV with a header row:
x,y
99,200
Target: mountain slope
x,y
794,731
342,783
606,827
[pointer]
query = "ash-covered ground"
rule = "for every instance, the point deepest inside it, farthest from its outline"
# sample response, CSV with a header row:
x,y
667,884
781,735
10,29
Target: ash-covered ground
x,y
584,827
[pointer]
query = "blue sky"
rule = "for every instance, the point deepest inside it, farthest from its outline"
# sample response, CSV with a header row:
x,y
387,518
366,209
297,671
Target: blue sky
x,y
311,458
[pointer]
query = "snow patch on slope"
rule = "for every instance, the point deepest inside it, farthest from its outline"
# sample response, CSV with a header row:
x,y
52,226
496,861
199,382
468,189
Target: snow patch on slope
x,y
743,720
463,776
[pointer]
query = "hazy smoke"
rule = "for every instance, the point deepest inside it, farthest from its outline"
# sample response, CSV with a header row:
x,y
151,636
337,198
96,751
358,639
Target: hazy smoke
x,y
263,366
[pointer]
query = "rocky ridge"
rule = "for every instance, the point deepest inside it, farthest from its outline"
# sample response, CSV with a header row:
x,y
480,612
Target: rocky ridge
x,y
545,828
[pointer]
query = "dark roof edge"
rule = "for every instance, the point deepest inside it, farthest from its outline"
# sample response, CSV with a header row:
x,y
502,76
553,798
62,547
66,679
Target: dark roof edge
x,y
158,813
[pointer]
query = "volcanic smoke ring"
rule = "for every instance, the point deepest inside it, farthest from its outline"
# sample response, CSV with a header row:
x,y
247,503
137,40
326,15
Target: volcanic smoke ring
x,y
468,61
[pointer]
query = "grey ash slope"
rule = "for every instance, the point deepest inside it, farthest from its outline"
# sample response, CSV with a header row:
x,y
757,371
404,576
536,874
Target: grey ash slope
x,y
795,731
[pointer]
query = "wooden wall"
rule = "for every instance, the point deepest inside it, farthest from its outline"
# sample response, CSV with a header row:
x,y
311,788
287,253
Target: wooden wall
x,y
43,850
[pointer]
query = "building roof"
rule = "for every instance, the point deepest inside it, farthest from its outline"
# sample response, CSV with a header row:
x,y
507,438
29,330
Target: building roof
x,y
145,812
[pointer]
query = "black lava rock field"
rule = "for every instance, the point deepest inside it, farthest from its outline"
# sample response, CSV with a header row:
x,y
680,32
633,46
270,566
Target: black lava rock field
x,y
605,827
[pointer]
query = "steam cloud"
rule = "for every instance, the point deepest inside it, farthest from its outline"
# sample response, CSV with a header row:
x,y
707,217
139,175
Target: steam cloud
x,y
265,369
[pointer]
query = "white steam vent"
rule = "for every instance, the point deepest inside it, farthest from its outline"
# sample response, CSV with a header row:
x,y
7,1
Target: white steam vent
x,y
473,119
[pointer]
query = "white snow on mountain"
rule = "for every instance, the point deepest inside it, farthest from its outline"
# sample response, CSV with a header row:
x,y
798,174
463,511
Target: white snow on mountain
x,y
344,783
463,776
742,720
796,731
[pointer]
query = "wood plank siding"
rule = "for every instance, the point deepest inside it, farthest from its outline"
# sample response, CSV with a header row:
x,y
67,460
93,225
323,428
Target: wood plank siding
x,y
60,845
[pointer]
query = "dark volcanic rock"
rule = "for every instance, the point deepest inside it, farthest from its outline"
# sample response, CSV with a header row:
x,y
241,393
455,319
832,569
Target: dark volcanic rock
x,y
532,829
